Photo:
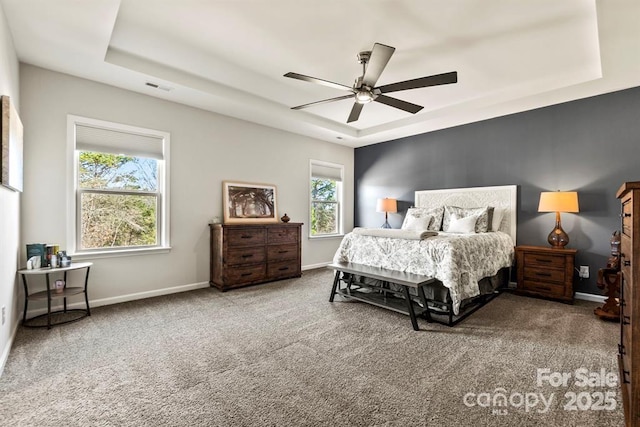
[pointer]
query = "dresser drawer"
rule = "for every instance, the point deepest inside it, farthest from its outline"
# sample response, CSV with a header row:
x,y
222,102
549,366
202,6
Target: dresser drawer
x,y
546,275
248,255
627,218
246,237
546,289
282,269
283,235
242,275
544,260
282,252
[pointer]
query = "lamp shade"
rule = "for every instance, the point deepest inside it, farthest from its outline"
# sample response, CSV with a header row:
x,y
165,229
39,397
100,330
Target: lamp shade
x,y
558,201
387,205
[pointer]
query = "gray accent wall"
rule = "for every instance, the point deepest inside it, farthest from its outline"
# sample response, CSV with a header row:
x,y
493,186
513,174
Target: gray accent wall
x,y
590,146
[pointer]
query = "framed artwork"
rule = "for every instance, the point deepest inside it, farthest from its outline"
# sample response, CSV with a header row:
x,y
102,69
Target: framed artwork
x,y
249,203
11,135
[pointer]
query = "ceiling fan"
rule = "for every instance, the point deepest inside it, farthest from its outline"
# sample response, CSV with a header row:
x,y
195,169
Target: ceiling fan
x,y
364,90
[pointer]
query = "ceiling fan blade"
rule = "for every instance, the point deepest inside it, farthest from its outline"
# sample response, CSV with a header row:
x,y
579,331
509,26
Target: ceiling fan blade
x,y
398,103
324,101
438,79
318,81
380,56
355,112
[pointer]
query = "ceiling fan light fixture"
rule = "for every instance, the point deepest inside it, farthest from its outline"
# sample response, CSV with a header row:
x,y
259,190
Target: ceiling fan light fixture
x,y
364,96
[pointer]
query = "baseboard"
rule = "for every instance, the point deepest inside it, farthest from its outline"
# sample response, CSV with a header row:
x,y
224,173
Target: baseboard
x,y
7,348
590,297
314,266
124,298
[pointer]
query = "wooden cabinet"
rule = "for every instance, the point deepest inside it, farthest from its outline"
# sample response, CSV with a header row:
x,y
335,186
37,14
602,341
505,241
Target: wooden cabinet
x,y
546,272
629,347
248,254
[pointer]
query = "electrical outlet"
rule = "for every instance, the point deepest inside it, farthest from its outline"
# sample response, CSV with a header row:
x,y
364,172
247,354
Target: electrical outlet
x,y
584,271
3,314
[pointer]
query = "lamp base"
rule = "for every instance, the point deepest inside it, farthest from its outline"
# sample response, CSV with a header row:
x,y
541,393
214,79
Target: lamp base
x,y
558,238
385,225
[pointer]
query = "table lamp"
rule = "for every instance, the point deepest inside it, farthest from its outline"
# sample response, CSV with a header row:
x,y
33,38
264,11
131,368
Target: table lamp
x,y
387,205
558,201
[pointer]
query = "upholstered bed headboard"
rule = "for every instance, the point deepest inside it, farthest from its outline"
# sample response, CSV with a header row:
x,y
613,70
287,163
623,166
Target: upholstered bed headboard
x,y
504,197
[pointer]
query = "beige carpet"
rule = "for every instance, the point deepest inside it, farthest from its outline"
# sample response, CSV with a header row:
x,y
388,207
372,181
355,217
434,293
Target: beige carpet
x,y
281,354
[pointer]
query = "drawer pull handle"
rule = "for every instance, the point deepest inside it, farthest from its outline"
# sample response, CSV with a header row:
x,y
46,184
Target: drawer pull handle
x,y
624,377
246,236
543,260
626,215
546,288
282,252
246,274
626,320
247,255
621,349
283,268
543,274
627,263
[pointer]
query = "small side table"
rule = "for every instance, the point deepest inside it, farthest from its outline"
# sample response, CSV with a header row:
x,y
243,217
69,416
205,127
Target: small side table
x,y
546,272
52,293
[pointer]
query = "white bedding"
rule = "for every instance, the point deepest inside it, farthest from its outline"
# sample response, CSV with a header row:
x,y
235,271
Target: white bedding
x,y
459,261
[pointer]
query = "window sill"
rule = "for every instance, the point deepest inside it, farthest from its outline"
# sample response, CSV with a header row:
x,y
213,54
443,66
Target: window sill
x,y
327,236
81,256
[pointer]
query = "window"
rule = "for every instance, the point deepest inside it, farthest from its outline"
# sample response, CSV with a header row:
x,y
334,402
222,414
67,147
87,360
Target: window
x,y
120,194
326,199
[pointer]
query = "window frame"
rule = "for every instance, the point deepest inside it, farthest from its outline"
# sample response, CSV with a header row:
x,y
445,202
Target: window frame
x,y
339,199
74,192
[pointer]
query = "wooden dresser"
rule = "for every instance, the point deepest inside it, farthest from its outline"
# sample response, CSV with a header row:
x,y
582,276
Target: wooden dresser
x,y
629,347
545,272
248,254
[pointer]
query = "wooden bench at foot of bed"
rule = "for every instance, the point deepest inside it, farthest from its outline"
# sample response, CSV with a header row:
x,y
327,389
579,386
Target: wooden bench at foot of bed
x,y
404,304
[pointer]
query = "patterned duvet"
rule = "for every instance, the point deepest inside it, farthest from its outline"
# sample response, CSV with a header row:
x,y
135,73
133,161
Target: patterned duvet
x,y
459,261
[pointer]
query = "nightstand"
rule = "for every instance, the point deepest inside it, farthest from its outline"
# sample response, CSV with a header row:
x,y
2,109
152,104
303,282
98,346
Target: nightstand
x,y
546,272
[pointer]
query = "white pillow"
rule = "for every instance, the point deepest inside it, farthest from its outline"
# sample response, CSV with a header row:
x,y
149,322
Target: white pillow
x,y
498,214
417,223
463,225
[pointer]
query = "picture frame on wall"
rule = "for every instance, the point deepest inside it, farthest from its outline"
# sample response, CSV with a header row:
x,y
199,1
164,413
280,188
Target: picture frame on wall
x,y
246,203
11,132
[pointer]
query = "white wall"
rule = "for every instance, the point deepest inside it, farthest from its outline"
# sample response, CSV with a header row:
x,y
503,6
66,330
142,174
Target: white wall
x,y
9,204
206,148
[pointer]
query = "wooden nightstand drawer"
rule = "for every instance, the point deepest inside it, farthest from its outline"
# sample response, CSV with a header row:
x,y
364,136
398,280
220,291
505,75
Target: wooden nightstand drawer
x,y
546,289
544,260
546,275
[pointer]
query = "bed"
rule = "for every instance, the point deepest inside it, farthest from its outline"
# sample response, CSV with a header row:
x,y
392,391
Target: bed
x,y
467,267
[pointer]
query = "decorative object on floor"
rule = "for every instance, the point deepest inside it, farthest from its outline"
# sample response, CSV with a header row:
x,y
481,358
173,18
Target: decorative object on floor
x,y
387,205
558,201
11,137
609,280
285,218
245,203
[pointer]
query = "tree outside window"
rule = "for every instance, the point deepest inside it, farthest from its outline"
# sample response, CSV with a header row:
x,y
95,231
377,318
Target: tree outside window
x,y
325,208
118,200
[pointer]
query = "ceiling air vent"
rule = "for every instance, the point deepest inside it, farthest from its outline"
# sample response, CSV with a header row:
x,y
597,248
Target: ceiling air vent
x,y
157,86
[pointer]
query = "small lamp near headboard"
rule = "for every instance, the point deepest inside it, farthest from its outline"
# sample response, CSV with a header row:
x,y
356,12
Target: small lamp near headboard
x,y
387,205
558,201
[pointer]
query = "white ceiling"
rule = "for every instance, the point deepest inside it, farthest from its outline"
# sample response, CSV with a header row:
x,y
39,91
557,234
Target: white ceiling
x,y
230,56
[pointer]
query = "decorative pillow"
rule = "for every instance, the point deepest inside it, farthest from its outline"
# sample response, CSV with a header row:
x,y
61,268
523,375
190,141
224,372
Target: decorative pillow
x,y
420,223
463,225
498,214
436,213
482,223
